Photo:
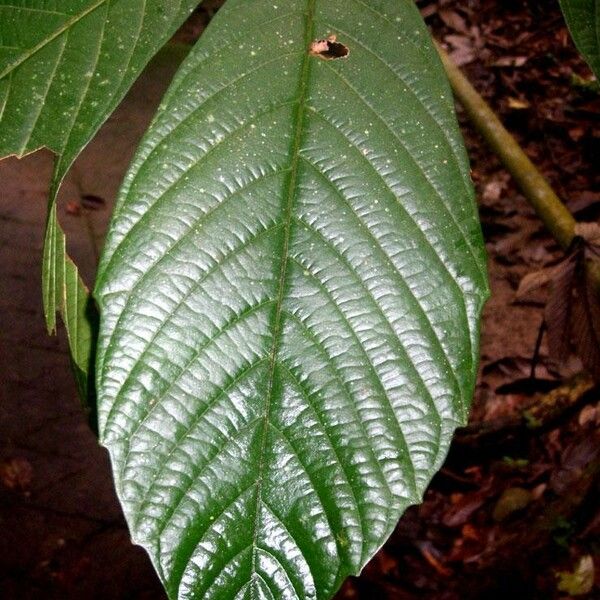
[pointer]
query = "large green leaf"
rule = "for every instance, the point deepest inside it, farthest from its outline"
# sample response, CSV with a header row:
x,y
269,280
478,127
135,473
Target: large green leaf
x,y
583,19
290,295
64,67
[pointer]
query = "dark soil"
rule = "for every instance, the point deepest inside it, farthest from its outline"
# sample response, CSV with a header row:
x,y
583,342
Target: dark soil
x,y
516,502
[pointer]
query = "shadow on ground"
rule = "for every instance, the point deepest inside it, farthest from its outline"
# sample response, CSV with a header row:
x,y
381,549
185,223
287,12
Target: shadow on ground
x,y
63,535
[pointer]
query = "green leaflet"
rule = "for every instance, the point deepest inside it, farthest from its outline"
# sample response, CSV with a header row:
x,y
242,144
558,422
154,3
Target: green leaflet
x,y
64,67
64,290
290,296
583,19
66,64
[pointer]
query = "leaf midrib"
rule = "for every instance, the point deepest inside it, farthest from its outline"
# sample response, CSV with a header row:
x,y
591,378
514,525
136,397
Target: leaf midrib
x,y
44,42
287,221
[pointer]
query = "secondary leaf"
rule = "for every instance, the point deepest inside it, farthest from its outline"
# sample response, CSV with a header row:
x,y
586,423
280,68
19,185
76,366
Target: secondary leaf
x,y
64,67
66,64
290,295
583,20
64,292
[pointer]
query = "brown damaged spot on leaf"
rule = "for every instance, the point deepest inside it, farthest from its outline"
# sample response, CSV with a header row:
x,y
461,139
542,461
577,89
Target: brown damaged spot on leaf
x,y
328,49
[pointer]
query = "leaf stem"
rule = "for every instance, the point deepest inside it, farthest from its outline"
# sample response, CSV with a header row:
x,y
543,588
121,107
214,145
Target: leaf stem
x,y
538,192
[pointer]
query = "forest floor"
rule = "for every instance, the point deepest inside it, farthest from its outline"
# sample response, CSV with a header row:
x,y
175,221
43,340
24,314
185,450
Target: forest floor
x,y
514,510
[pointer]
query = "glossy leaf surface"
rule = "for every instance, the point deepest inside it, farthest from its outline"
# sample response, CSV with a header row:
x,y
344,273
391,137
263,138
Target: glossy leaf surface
x,y
583,19
290,295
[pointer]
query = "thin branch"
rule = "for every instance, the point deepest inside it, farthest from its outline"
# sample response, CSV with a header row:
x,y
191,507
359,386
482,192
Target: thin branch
x,y
554,214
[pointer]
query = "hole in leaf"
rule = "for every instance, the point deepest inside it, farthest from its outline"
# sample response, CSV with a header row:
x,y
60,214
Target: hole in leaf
x,y
328,48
